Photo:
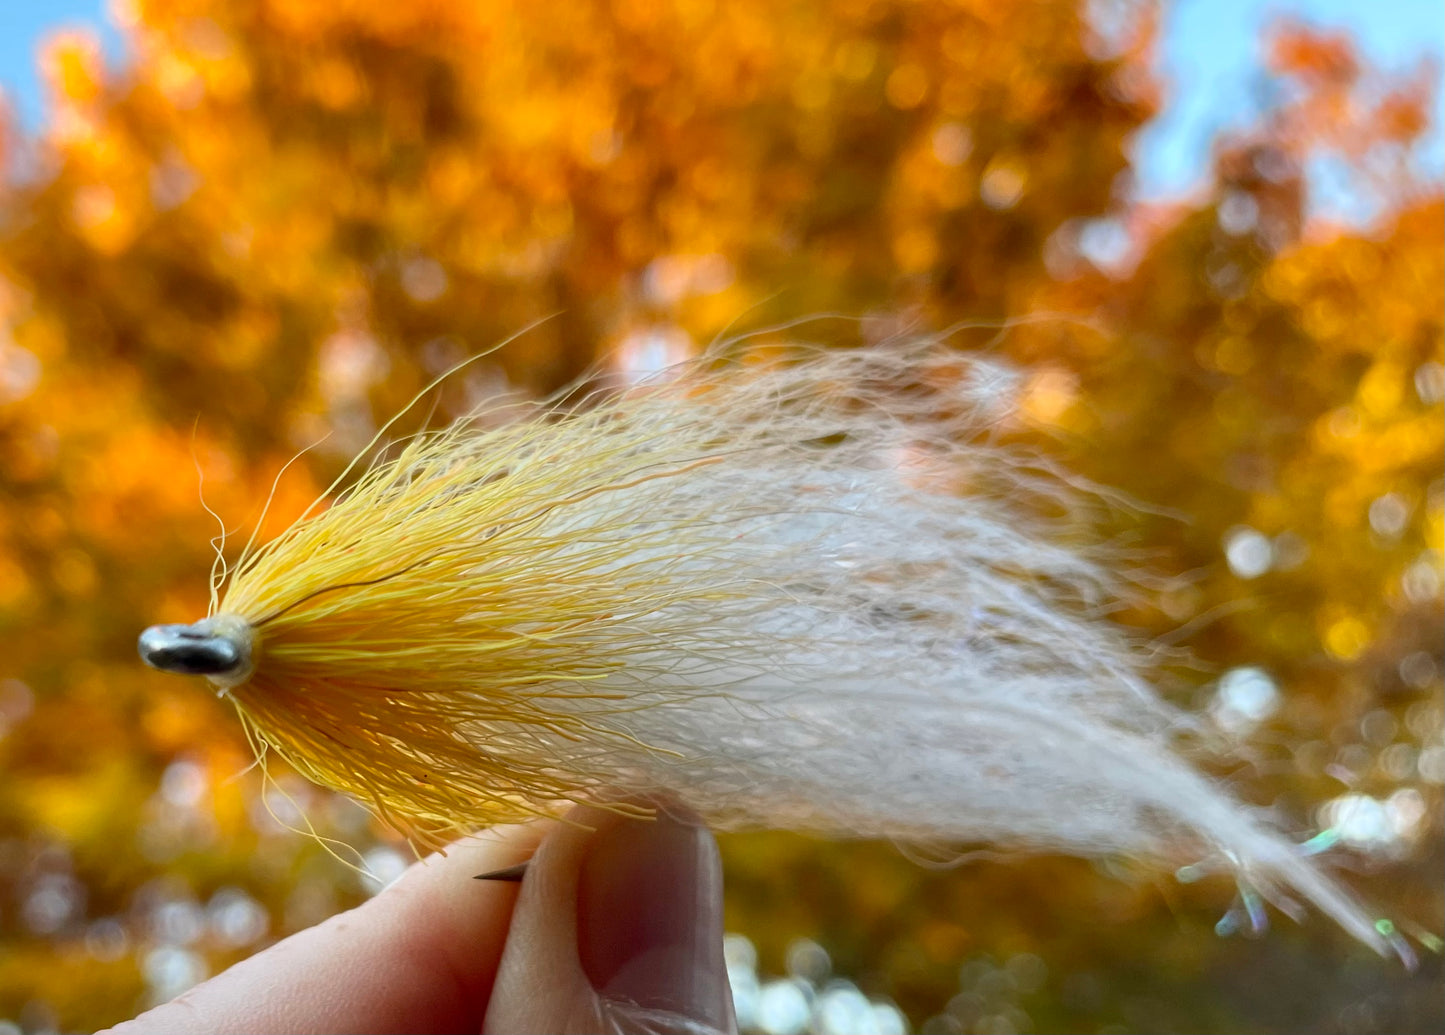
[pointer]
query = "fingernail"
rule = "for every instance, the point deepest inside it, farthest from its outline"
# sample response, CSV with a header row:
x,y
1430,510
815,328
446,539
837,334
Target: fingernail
x,y
649,918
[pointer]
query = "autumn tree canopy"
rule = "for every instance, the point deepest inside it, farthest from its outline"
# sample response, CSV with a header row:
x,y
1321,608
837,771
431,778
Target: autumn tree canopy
x,y
271,222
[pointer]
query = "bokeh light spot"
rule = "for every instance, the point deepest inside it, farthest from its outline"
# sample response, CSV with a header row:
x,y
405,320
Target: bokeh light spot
x,y
1248,552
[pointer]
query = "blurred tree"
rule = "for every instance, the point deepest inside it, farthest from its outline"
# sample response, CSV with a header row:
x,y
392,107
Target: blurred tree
x,y
280,218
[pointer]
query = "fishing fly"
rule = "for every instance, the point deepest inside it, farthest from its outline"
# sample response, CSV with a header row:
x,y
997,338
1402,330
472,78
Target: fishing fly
x,y
816,591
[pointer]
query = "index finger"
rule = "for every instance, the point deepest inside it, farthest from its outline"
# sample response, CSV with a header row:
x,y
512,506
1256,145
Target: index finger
x,y
419,957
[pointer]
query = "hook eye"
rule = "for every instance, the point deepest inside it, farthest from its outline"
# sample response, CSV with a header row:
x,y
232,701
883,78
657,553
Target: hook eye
x,y
191,651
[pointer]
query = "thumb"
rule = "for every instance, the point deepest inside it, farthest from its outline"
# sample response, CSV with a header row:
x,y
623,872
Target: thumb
x,y
618,928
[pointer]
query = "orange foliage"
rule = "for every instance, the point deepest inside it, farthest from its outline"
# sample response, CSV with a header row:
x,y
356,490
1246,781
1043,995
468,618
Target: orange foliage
x,y
275,220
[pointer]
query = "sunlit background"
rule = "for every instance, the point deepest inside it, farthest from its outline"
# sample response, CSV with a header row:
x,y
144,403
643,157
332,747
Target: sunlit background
x,y
231,228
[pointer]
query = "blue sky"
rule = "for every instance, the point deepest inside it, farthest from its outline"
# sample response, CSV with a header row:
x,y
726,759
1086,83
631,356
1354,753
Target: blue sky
x,y
1210,62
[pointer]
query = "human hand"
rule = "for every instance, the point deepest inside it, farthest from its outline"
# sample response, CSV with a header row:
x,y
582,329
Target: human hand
x,y
616,928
